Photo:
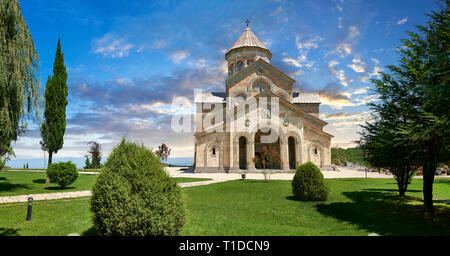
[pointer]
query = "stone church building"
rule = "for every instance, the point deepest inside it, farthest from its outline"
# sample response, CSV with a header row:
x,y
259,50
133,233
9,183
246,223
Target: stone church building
x,y
227,140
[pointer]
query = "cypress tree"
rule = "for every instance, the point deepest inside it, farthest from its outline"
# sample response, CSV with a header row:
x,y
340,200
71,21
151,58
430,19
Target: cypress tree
x,y
56,91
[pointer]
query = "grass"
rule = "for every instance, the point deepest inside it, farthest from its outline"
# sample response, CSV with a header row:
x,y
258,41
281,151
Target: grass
x,y
250,207
354,207
21,183
184,180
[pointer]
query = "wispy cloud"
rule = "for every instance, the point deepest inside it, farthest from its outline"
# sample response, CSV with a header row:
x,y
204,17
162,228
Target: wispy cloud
x,y
357,66
292,62
178,56
402,21
112,46
340,74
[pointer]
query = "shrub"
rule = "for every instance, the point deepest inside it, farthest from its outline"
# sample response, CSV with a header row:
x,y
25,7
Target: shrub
x,y
63,173
134,196
308,184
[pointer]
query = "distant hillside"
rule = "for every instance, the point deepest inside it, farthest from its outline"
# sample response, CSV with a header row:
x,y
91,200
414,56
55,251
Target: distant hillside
x,y
339,156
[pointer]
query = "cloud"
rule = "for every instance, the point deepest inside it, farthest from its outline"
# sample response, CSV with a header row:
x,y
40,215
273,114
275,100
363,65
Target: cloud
x,y
178,56
345,119
353,32
357,66
340,74
112,46
344,49
292,62
307,44
402,21
374,74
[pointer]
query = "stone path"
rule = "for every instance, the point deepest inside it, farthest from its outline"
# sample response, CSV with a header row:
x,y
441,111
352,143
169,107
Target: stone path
x,y
48,196
62,195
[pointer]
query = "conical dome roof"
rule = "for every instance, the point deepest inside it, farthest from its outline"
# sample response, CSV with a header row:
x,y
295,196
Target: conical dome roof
x,y
248,39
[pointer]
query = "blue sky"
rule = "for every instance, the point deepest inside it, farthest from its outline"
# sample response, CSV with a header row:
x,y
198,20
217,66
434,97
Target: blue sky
x,y
127,60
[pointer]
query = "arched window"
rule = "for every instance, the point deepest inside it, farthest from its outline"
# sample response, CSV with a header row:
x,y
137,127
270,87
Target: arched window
x,y
231,69
249,62
239,66
315,151
260,86
213,151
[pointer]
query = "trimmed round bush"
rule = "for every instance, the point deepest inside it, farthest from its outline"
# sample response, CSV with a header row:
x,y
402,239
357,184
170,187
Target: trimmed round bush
x,y
62,173
308,184
133,195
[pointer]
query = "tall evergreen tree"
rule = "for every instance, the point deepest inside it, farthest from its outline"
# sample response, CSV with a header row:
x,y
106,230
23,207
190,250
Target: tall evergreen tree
x,y
19,76
56,90
417,92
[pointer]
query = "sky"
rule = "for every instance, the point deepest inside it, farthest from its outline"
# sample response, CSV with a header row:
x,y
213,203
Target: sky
x,y
128,60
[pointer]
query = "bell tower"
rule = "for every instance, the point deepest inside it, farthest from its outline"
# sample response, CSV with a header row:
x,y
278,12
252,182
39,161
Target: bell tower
x,y
245,51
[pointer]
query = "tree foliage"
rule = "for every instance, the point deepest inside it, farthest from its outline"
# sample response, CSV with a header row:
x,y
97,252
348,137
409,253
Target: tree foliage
x,y
339,156
63,173
308,184
95,152
134,196
413,112
19,76
56,91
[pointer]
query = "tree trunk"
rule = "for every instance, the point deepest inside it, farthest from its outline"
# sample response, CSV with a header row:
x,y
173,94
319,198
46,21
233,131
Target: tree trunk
x,y
429,170
47,179
402,186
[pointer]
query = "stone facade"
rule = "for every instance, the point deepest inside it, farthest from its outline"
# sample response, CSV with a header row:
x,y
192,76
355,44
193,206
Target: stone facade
x,y
259,100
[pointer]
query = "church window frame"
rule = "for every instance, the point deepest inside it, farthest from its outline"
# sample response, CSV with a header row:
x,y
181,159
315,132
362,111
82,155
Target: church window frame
x,y
231,69
239,65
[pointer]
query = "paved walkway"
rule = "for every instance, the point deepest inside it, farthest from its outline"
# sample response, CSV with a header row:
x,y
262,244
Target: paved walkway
x,y
62,195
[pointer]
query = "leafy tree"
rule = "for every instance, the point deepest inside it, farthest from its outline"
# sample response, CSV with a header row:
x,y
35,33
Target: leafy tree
x,y
340,156
133,196
63,173
383,147
416,94
308,184
56,90
19,76
95,151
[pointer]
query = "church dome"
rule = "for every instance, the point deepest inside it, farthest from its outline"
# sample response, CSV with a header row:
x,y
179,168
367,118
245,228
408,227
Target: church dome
x,y
248,39
246,50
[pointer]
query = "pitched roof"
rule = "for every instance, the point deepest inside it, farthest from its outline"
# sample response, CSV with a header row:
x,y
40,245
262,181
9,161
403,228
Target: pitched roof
x,y
248,39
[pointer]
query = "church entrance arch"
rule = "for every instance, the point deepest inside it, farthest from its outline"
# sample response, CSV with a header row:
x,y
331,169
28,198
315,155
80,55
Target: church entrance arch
x,y
270,139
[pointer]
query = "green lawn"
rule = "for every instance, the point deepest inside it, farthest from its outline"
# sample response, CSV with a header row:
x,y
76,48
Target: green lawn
x,y
21,183
249,207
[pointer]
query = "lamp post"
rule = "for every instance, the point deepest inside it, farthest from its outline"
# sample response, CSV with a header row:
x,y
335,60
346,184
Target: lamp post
x,y
30,206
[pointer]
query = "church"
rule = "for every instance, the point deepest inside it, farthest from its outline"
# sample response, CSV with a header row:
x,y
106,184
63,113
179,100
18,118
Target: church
x,y
259,109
